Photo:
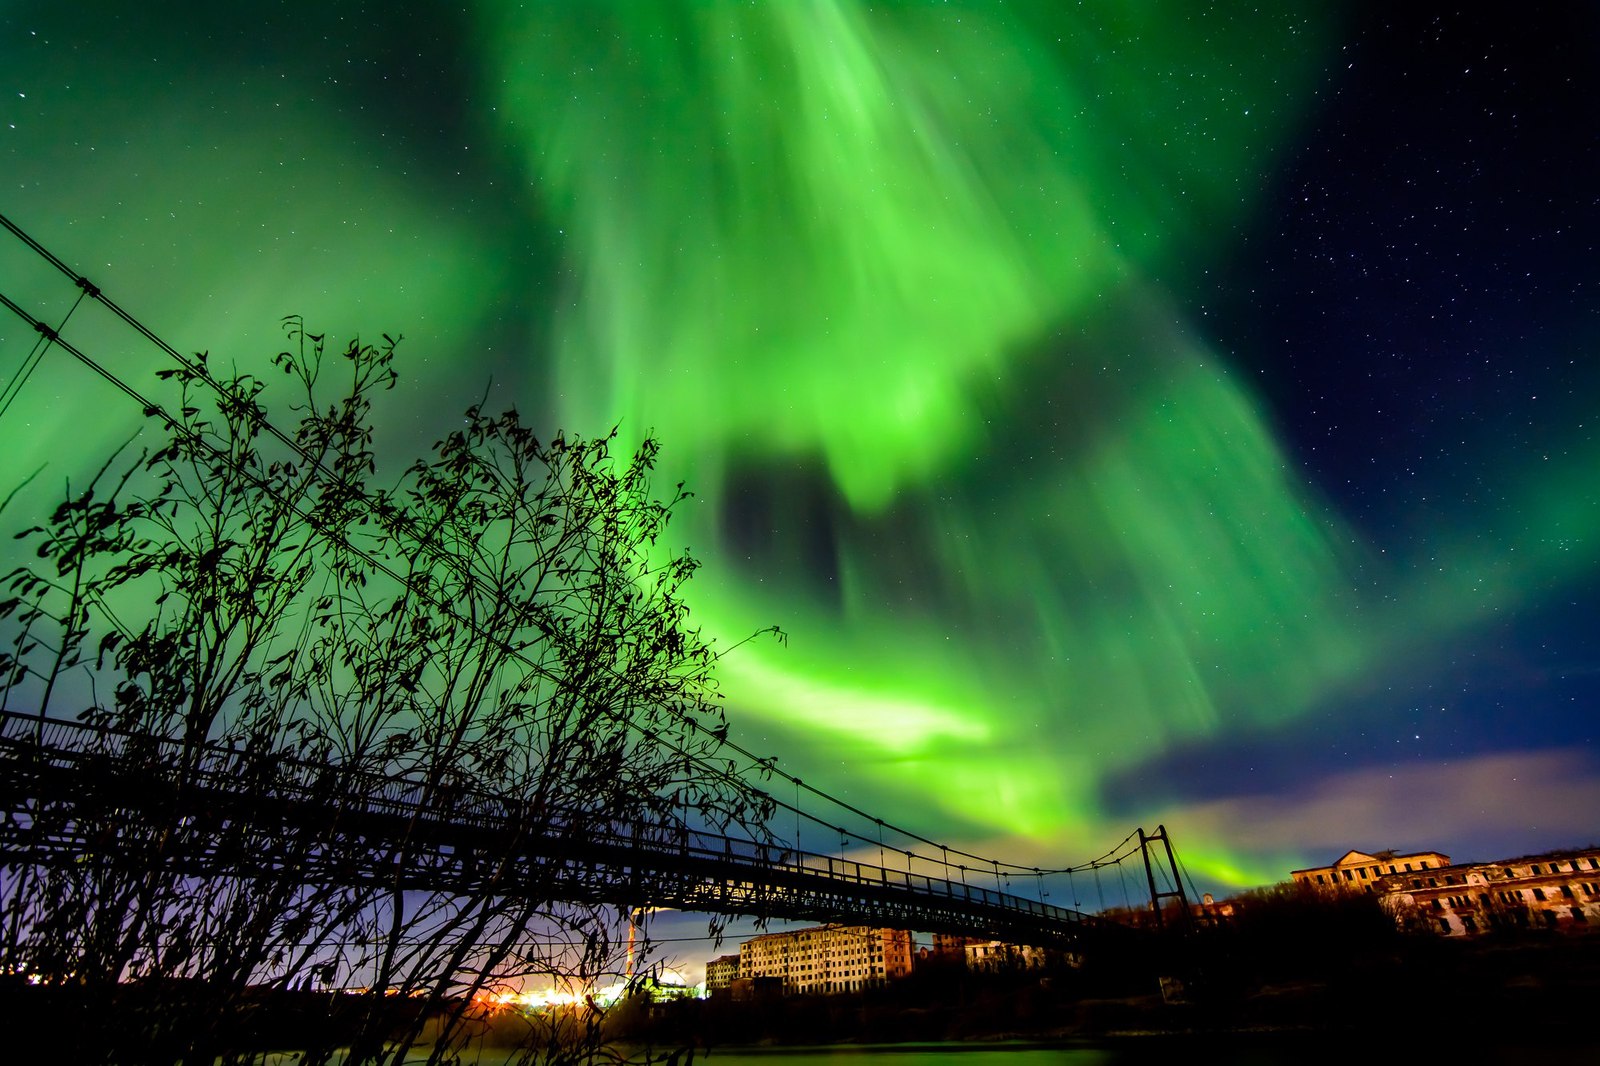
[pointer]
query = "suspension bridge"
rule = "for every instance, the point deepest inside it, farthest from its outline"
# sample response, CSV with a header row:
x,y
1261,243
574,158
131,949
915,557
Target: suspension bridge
x,y
69,789
66,787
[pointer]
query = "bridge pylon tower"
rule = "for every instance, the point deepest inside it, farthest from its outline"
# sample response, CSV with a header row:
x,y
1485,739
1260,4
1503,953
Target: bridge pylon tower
x,y
1156,895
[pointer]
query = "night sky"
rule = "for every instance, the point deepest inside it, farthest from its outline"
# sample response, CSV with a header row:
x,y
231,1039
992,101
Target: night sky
x,y
1132,414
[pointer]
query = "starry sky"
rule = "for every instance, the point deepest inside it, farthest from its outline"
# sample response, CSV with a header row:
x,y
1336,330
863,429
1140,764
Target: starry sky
x,y
1133,413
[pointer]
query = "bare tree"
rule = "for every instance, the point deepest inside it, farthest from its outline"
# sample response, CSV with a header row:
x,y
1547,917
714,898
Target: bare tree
x,y
295,679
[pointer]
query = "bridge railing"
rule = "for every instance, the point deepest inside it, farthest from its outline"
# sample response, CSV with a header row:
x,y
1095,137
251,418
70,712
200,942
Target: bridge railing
x,y
860,874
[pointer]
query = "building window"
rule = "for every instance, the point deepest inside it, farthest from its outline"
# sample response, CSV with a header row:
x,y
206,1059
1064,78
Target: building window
x,y
1444,925
1408,867
1538,894
1438,906
1577,915
1549,917
1468,924
1320,880
1363,873
1424,864
1393,870
1348,876
1534,868
1566,890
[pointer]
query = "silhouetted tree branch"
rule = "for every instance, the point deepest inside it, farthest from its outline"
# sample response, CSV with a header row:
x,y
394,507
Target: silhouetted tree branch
x,y
497,637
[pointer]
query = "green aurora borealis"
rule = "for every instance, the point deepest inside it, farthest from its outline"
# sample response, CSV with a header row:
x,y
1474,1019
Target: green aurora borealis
x,y
934,240
906,292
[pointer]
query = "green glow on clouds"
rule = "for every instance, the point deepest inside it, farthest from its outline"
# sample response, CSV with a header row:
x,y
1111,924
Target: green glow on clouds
x,y
851,236
830,229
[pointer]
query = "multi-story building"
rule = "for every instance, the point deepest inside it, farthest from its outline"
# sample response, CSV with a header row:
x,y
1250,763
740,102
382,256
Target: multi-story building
x,y
952,946
1357,869
721,972
995,955
827,959
1559,889
1424,889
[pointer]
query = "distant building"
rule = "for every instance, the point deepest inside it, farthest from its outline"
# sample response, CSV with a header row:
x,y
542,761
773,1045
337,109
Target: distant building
x,y
1556,890
948,950
721,972
1359,870
1210,909
827,959
994,955
952,945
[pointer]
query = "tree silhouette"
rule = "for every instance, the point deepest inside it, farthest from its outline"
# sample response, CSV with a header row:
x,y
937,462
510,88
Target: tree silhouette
x,y
497,638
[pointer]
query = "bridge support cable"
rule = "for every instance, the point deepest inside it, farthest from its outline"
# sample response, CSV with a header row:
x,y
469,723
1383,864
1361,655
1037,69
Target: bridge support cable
x,y
36,354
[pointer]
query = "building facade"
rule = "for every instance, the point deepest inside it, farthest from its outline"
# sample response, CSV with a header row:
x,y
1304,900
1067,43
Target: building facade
x,y
721,972
991,956
827,959
1359,870
1556,890
1424,890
